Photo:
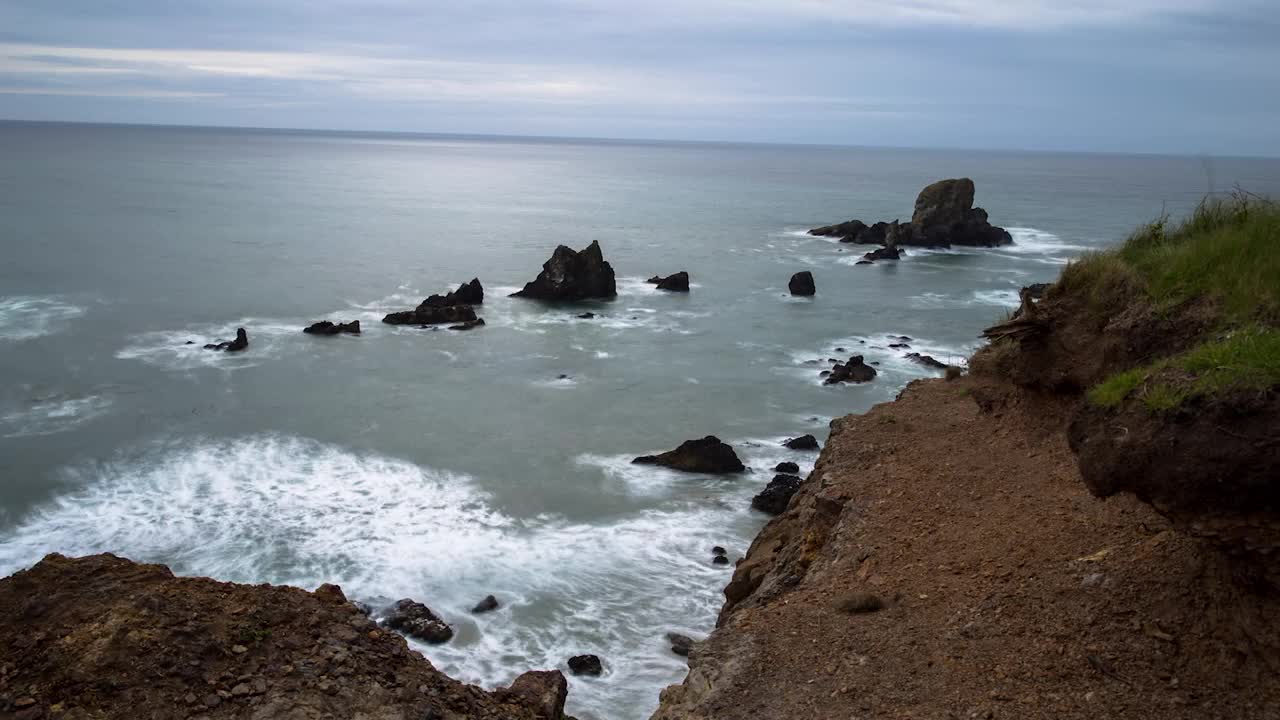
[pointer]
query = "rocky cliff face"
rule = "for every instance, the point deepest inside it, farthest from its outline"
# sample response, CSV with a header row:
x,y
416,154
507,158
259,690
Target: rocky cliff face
x,y
103,637
943,561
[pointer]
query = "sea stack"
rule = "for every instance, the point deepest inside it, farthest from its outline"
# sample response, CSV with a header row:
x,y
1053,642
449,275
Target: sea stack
x,y
573,275
944,215
802,284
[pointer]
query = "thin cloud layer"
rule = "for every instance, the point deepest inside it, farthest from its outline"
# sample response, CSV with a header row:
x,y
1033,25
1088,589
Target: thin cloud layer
x,y
1173,76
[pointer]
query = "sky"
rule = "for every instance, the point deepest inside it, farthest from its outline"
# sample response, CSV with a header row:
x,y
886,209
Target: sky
x,y
1162,76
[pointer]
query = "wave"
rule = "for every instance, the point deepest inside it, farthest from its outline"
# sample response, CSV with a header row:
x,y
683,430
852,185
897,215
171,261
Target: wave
x,y
26,317
876,351
50,415
280,509
178,350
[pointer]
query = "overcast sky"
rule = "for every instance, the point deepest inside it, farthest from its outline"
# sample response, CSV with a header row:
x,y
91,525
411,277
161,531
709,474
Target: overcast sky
x,y
1181,76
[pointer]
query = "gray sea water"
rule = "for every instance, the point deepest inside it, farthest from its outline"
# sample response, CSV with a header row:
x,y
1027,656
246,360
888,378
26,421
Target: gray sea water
x,y
447,466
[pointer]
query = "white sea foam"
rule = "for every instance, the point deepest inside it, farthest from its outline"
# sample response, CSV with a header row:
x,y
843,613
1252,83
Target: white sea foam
x,y
25,317
1001,298
1006,297
181,350
46,416
286,510
876,351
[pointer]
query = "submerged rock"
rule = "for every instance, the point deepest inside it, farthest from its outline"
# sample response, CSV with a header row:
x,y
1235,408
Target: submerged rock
x,y
926,360
708,455
679,282
787,467
240,343
468,325
324,327
488,604
416,620
573,275
802,284
854,371
889,252
774,498
585,665
804,442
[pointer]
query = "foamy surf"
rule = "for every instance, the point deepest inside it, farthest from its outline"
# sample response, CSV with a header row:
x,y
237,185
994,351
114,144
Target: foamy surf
x,y
180,350
26,317
46,416
289,510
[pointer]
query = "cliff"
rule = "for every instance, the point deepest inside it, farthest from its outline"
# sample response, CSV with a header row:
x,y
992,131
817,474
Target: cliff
x,y
1083,527
104,637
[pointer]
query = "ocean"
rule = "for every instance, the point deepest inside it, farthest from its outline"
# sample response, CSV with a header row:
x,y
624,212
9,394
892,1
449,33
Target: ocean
x,y
446,466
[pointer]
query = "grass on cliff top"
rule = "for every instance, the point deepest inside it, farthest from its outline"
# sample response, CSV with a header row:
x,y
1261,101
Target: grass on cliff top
x,y
1228,250
1245,360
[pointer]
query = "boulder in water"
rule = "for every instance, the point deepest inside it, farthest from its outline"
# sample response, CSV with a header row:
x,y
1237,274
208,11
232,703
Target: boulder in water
x,y
488,604
774,498
681,645
804,442
426,314
416,620
468,325
324,327
802,284
468,293
888,252
240,343
854,371
925,360
573,275
678,282
585,665
787,467
846,232
708,455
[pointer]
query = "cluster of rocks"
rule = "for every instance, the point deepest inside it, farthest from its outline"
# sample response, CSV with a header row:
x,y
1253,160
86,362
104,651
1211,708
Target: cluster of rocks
x,y
239,344
678,282
855,370
944,216
326,327
454,308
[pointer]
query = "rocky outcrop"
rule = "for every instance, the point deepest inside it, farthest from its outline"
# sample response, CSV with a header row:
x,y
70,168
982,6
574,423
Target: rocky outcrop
x,y
708,455
926,360
889,252
774,498
680,644
585,665
240,343
944,216
804,442
416,620
802,284
325,327
853,371
488,604
468,325
678,282
573,275
426,314
103,637
789,468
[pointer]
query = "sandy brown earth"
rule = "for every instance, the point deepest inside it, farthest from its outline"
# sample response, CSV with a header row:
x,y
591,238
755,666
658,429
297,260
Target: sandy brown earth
x,y
1008,590
103,637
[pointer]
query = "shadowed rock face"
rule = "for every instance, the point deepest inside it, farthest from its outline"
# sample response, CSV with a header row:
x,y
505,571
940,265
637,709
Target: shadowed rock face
x,y
325,327
708,455
802,284
573,275
854,371
774,498
432,315
417,620
678,282
945,202
239,344
104,637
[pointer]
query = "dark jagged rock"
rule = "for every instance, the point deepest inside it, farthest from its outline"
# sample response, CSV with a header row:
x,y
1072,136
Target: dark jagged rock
x,y
573,275
804,442
416,620
774,498
864,262
717,550
324,327
926,360
587,316
1036,290
787,467
488,604
468,325
240,343
802,283
426,314
708,455
679,282
889,252
720,560
847,232
944,216
855,371
681,645
468,293
585,665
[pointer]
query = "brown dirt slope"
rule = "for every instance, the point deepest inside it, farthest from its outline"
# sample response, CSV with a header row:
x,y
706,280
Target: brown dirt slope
x,y
103,637
1009,591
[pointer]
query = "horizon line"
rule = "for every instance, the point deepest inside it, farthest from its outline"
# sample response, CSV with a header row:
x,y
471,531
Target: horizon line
x,y
604,140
